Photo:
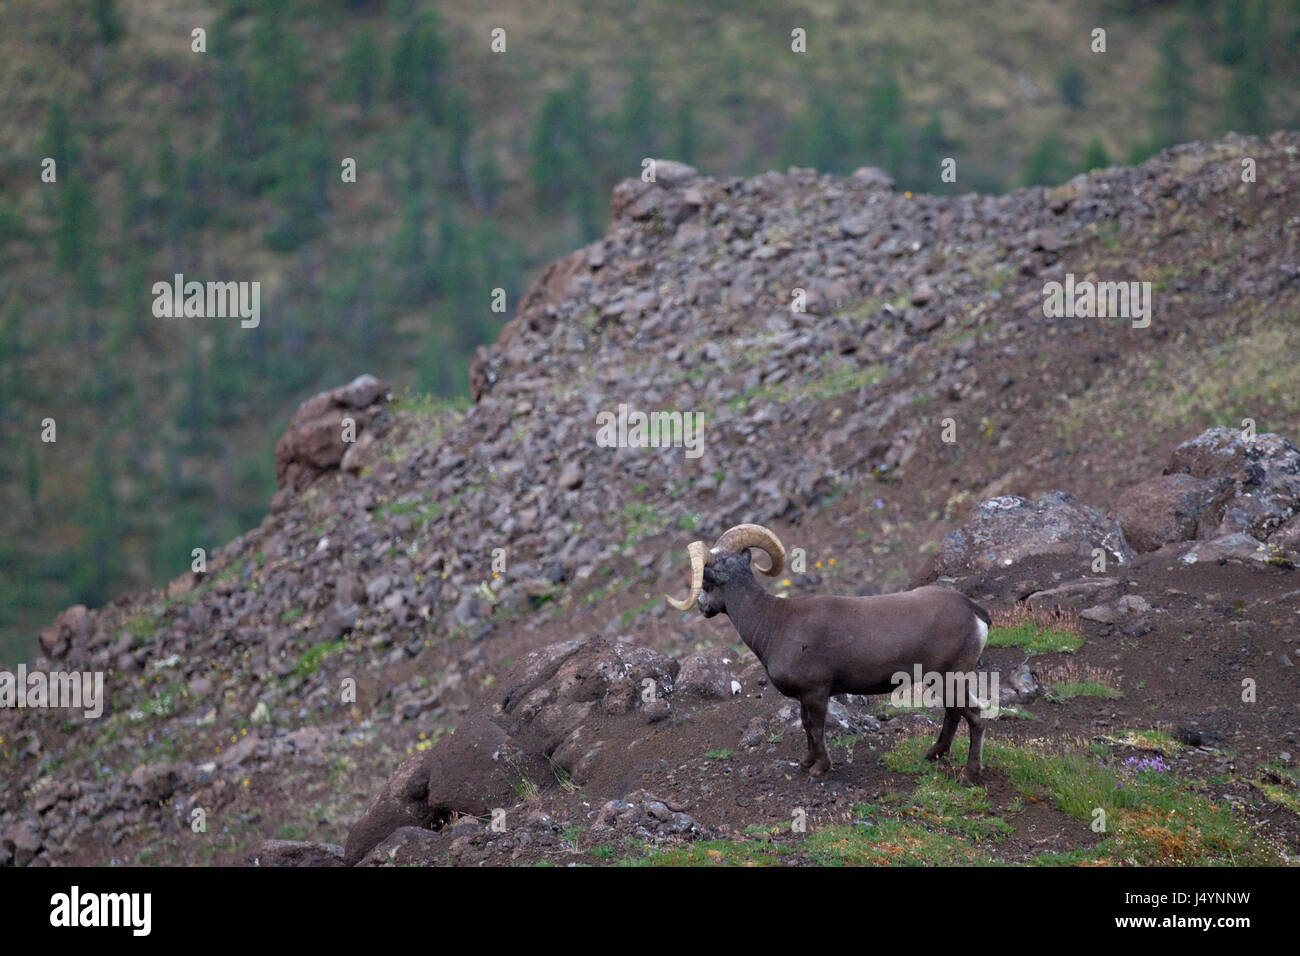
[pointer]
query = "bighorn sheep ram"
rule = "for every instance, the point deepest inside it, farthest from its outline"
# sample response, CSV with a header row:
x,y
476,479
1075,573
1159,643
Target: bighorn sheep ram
x,y
815,647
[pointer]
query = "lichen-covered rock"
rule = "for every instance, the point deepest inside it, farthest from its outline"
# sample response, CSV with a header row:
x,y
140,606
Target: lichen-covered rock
x,y
1284,543
1214,453
1008,529
1261,478
1235,546
707,675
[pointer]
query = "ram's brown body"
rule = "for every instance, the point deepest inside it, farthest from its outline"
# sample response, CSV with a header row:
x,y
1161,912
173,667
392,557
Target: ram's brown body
x,y
855,645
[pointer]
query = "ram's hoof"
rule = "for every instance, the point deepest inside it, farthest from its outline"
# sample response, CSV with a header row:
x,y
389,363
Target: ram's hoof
x,y
820,768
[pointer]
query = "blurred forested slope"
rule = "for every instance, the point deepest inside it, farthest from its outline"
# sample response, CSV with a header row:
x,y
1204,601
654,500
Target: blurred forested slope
x,y
473,168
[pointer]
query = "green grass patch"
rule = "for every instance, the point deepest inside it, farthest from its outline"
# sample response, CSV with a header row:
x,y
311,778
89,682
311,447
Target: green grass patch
x,y
845,379
711,853
312,658
1019,713
889,843
142,627
632,613
839,381
941,801
909,755
1036,638
1152,818
423,510
1280,783
161,704
1282,796
639,521
1285,772
1249,374
432,406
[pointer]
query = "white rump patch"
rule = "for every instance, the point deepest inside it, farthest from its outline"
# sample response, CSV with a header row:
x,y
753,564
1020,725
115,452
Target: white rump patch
x,y
982,630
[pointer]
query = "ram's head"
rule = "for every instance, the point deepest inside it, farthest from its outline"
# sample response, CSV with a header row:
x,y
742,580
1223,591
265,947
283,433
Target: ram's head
x,y
712,567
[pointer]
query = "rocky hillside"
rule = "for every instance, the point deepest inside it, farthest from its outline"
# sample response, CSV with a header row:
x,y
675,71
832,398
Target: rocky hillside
x,y
403,583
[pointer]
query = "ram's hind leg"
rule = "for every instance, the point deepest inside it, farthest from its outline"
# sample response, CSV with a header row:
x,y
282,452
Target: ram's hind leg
x,y
975,759
811,756
815,706
951,720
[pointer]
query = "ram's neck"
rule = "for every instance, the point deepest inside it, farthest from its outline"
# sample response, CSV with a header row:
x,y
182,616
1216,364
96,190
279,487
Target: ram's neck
x,y
753,612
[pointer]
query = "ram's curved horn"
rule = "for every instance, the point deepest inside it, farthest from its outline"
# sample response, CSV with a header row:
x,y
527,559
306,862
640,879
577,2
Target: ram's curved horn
x,y
700,558
744,536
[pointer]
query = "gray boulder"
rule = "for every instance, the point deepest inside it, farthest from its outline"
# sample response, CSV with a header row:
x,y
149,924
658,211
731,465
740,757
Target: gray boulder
x,y
1261,479
1005,530
707,675
1165,508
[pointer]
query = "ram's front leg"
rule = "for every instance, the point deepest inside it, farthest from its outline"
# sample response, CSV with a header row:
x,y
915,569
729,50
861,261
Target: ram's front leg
x,y
814,711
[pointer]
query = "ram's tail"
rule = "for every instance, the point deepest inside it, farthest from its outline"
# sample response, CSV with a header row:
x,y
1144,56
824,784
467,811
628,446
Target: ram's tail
x,y
982,623
980,613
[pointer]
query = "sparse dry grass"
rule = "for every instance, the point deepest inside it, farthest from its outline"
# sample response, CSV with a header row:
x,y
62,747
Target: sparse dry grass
x,y
1075,679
